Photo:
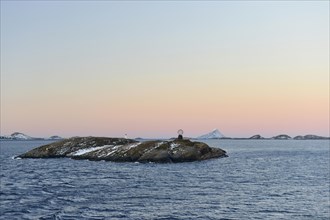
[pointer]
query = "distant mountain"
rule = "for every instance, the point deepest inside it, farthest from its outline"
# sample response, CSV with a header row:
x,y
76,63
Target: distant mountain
x,y
282,137
215,134
21,136
310,137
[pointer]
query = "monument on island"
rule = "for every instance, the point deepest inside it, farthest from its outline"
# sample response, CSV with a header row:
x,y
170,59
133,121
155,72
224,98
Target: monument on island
x,y
180,133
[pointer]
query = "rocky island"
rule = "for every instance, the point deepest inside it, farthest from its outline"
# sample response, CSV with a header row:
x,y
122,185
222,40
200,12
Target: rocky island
x,y
126,150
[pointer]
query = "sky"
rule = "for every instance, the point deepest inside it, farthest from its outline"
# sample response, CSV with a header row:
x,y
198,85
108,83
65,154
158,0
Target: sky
x,y
147,69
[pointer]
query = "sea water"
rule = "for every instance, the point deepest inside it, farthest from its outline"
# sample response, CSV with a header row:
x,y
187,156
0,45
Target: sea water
x,y
261,179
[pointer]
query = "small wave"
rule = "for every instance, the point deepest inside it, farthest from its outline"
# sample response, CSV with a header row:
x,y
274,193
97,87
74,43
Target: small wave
x,y
16,158
55,215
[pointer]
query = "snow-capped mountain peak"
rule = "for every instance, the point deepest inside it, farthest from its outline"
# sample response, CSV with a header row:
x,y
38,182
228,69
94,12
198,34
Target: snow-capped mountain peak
x,y
20,136
212,135
23,137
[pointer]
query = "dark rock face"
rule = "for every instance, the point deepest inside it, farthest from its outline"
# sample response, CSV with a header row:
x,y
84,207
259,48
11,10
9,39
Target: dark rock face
x,y
66,147
126,150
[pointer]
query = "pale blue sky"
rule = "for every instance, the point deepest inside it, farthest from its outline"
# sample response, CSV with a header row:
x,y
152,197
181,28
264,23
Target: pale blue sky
x,y
101,52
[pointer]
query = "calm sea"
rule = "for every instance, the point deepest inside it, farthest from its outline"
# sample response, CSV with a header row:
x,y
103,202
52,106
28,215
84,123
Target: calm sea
x,y
261,179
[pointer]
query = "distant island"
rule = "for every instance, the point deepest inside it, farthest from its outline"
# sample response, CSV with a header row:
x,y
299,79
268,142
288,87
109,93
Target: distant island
x,y
126,150
216,134
287,137
23,137
212,135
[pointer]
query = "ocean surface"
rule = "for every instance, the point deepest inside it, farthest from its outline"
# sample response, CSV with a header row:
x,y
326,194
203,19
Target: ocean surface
x,y
261,179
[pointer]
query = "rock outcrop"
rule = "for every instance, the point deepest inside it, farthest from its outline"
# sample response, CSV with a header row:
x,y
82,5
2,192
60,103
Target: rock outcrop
x,y
55,137
311,137
126,150
282,137
257,136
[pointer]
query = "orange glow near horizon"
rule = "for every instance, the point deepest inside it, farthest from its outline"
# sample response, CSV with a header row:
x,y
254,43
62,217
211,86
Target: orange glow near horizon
x,y
147,74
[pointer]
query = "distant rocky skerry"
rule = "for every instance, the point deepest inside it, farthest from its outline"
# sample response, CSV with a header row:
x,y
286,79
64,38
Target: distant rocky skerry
x,y
126,150
213,135
311,137
216,134
17,136
278,137
287,137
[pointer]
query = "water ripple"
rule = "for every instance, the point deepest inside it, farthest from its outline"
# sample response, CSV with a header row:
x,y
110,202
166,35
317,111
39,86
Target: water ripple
x,y
259,180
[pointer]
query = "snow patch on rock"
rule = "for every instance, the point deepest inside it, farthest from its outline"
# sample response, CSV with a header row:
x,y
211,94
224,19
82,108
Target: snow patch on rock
x,y
174,145
88,150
